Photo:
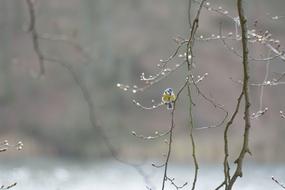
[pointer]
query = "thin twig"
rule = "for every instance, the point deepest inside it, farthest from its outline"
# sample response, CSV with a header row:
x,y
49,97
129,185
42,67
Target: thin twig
x,y
67,40
191,126
234,51
277,182
189,13
85,92
258,38
226,145
177,187
214,104
189,51
9,186
171,135
264,81
35,39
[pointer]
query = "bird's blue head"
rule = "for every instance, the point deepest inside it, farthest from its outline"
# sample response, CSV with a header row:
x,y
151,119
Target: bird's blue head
x,y
169,90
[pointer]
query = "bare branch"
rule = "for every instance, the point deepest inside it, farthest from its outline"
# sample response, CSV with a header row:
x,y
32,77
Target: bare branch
x,y
171,136
151,80
213,103
264,81
189,54
245,148
5,145
156,136
177,187
9,186
277,182
67,40
189,13
35,39
85,92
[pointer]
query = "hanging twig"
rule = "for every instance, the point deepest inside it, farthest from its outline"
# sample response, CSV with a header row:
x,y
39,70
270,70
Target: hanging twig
x,y
189,54
172,124
85,92
33,30
189,13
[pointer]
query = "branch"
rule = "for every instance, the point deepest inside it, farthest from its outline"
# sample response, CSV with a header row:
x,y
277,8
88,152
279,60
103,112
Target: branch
x,y
264,81
189,54
5,145
226,146
69,41
191,126
245,148
91,107
229,181
165,177
189,12
9,186
253,37
213,103
177,187
85,92
35,39
277,182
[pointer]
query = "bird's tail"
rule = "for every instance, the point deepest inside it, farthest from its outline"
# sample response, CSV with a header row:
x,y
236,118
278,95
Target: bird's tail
x,y
170,106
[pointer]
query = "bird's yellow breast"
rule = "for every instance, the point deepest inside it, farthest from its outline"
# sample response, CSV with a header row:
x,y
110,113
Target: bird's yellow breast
x,y
168,98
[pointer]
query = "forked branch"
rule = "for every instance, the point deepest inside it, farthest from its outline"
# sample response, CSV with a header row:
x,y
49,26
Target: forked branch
x,y
245,90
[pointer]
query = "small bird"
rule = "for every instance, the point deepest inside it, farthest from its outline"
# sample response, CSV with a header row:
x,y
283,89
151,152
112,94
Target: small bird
x,y
168,98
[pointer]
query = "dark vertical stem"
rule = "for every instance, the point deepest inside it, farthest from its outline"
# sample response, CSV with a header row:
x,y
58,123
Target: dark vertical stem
x,y
245,89
191,125
226,146
169,149
171,136
189,51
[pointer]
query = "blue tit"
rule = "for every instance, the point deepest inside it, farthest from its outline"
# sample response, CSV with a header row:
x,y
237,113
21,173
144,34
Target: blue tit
x,y
168,98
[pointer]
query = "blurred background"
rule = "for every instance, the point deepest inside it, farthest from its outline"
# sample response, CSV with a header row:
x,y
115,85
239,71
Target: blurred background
x,y
121,40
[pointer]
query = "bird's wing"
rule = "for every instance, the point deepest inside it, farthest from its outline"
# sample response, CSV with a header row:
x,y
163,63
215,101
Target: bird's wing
x,y
166,98
173,97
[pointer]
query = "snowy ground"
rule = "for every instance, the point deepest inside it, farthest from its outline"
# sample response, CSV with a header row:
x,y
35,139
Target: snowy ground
x,y
66,175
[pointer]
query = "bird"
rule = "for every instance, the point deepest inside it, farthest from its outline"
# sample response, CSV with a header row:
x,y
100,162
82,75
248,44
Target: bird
x,y
168,98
